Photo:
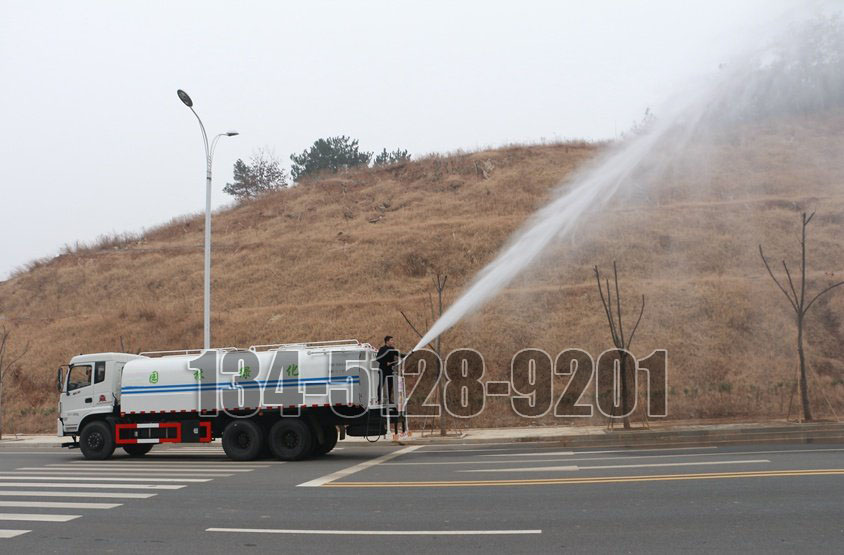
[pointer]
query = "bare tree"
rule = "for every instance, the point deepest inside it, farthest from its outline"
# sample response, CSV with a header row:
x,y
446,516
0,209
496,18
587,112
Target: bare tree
x,y
439,285
617,331
8,360
797,300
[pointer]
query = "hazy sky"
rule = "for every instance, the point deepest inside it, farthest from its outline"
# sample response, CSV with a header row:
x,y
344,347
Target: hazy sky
x,y
93,138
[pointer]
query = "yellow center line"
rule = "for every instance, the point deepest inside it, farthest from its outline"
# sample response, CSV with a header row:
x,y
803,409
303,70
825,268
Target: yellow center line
x,y
591,480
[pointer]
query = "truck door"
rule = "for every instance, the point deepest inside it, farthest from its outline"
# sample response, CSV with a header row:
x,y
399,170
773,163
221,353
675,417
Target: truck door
x,y
78,399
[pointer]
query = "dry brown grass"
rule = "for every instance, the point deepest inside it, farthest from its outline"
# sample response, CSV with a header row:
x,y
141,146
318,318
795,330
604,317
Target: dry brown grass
x,y
339,256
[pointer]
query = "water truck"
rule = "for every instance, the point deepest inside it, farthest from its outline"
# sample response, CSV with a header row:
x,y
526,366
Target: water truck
x,y
290,401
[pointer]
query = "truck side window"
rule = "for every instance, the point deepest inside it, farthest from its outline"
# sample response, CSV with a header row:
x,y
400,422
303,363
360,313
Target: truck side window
x,y
99,372
79,376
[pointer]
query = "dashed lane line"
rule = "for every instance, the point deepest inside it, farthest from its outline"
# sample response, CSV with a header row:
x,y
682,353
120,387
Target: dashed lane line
x,y
377,532
568,453
616,458
570,468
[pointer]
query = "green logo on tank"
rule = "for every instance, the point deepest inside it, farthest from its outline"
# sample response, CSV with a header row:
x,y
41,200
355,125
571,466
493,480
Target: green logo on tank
x,y
245,372
197,375
153,377
292,370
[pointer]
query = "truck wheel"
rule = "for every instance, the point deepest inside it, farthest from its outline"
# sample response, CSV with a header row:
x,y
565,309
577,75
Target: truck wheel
x,y
290,439
138,449
97,441
330,433
242,440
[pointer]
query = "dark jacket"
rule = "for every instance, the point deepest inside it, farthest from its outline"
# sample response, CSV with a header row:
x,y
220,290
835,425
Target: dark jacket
x,y
387,359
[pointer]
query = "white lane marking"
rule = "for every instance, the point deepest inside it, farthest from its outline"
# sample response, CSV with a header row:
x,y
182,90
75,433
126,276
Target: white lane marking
x,y
570,468
466,462
358,467
533,454
84,486
6,534
97,495
11,476
189,464
48,451
464,450
636,458
129,474
29,517
151,462
610,466
58,505
78,468
523,443
378,532
545,453
677,455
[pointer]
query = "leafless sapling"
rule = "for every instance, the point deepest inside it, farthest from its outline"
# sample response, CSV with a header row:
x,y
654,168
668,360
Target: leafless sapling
x,y
8,360
797,299
620,341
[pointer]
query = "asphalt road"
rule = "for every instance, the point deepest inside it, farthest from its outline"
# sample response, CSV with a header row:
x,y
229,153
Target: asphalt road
x,y
471,498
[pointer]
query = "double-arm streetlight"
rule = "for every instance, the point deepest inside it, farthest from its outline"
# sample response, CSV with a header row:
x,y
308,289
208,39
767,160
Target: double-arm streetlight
x,y
209,156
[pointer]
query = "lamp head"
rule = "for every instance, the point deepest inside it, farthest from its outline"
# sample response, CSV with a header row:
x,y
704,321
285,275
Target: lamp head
x,y
183,96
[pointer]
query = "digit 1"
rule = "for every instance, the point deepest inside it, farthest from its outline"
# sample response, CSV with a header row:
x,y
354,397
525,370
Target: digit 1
x,y
656,367
204,371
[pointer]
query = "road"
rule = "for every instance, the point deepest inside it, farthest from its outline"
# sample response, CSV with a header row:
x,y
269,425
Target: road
x,y
457,498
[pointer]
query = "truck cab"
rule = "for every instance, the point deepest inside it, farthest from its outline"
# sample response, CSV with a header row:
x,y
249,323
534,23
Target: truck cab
x,y
89,385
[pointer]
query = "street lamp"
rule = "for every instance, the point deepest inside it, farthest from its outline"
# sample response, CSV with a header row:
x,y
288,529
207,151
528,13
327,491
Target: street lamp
x,y
209,156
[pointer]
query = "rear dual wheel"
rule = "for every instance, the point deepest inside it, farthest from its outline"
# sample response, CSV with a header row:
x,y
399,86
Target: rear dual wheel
x,y
290,439
330,436
243,440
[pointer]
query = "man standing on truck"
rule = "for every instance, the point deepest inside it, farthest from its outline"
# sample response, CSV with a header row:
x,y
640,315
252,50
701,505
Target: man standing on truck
x,y
387,358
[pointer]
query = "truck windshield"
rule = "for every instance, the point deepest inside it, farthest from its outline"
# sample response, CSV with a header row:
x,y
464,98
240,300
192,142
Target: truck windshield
x,y
79,376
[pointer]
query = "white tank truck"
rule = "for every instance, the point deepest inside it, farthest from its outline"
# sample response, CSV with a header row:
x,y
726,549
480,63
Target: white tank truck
x,y
290,401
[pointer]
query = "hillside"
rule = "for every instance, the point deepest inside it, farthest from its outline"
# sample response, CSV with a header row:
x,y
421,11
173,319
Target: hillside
x,y
338,257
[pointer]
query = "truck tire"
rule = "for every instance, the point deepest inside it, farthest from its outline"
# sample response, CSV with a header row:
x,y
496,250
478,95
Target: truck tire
x,y
290,439
96,441
330,435
242,440
138,449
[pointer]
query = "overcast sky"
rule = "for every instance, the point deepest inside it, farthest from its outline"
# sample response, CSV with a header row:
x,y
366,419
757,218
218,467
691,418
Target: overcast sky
x,y
94,140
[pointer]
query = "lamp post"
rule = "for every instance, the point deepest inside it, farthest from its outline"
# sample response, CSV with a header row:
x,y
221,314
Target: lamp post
x,y
209,156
